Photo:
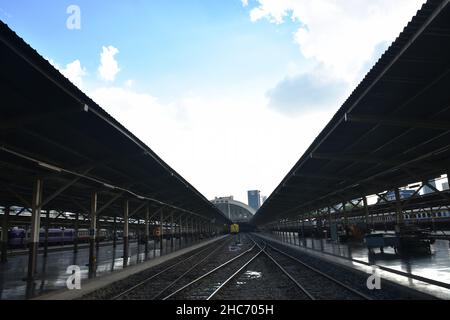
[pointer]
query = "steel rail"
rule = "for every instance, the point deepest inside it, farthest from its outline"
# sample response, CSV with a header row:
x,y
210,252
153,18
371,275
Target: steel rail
x,y
209,273
133,288
187,272
233,276
336,281
262,250
303,289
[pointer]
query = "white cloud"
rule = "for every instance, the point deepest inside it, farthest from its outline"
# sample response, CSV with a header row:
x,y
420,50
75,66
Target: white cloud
x,y
109,67
72,71
222,146
305,93
341,36
235,142
129,83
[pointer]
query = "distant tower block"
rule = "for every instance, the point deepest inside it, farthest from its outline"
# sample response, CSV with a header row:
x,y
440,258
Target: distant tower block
x,y
254,199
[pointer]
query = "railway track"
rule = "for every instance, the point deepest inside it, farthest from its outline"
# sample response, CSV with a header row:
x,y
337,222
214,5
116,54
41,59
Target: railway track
x,y
148,289
120,289
166,281
206,285
309,283
313,282
219,273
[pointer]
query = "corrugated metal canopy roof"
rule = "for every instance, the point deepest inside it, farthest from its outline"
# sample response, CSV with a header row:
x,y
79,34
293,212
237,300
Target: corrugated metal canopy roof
x,y
394,128
45,118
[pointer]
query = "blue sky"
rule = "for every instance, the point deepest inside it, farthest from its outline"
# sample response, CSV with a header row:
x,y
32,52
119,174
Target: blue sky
x,y
168,46
230,93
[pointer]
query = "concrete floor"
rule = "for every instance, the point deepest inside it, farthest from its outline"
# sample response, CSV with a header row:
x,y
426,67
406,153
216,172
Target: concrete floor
x,y
436,266
52,269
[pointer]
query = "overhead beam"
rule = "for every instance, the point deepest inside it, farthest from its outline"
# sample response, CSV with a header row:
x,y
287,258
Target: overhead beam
x,y
353,158
138,209
110,202
25,120
399,122
64,188
369,160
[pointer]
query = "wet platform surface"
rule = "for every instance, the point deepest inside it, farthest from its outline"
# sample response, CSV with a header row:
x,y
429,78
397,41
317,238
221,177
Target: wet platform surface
x,y
435,266
51,270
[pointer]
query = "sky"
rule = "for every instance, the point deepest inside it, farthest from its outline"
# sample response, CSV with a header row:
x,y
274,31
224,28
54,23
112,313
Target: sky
x,y
230,93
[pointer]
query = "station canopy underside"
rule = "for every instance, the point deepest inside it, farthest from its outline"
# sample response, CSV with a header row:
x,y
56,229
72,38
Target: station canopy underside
x,y
393,130
52,130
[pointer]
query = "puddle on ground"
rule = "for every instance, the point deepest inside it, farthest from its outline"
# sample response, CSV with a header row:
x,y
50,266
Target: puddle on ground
x,y
252,274
235,247
249,275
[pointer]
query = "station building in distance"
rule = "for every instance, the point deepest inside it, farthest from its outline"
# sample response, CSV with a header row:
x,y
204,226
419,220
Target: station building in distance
x,y
234,210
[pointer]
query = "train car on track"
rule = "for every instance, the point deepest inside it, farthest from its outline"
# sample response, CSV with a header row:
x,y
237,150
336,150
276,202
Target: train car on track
x,y
19,238
234,229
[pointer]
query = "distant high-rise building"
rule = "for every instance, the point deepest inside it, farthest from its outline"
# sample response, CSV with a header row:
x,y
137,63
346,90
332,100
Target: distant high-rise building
x,y
254,199
264,198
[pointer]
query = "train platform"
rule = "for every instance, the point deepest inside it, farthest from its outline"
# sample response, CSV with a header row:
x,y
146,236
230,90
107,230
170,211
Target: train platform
x,y
52,269
429,275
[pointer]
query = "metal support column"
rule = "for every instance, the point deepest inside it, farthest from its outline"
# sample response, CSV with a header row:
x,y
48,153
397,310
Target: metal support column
x,y
147,229
366,212
278,232
398,207
303,230
161,234
154,239
196,231
311,226
186,230
291,234
333,226
115,233
4,239
125,233
75,236
172,232
35,227
191,231
196,237
97,239
138,235
47,223
180,232
344,212
187,233
93,235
